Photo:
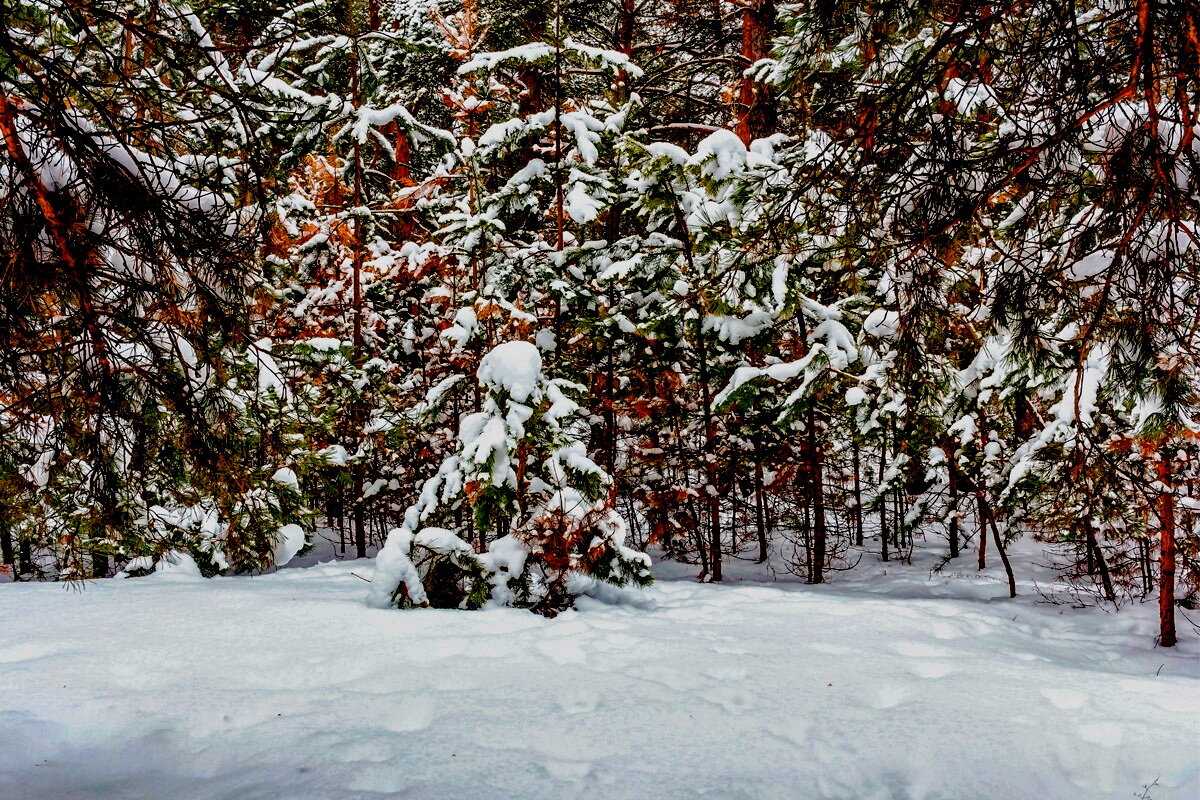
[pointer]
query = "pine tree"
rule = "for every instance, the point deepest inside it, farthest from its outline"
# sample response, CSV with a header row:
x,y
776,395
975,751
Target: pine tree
x,y
540,503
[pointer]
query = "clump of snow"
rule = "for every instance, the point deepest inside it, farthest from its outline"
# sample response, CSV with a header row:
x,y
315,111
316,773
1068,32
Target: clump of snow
x,y
855,396
290,541
721,155
513,368
1091,265
882,323
177,564
287,476
270,378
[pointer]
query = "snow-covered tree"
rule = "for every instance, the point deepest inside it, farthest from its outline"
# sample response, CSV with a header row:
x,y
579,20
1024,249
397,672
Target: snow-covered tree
x,y
538,502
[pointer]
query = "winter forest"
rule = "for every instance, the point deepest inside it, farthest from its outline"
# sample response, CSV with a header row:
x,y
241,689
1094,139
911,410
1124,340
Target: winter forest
x,y
488,399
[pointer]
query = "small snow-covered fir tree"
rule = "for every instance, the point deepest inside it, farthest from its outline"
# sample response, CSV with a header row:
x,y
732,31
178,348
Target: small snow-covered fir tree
x,y
537,500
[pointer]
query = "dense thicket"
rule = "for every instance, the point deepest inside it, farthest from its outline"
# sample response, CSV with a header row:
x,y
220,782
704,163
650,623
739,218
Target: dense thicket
x,y
812,281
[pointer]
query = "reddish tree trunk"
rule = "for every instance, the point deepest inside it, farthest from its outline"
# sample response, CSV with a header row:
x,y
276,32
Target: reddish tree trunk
x,y
756,100
1166,580
401,172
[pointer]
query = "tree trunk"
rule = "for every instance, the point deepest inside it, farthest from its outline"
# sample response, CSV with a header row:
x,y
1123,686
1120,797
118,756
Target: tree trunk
x,y
760,517
7,556
883,529
858,513
357,411
1105,578
1166,559
952,526
710,465
24,556
626,27
756,100
1008,571
981,526
817,476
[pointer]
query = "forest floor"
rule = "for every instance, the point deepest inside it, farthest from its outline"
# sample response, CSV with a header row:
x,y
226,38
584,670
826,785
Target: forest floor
x,y
890,682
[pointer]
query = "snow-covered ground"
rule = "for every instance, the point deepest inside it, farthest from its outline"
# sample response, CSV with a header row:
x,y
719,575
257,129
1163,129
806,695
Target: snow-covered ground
x,y
893,685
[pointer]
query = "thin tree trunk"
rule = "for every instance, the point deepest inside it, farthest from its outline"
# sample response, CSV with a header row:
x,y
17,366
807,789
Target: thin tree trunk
x,y
760,517
1089,547
360,243
7,556
1166,559
981,525
710,465
1012,581
952,488
816,472
858,512
883,528
626,25
1147,570
24,556
1105,578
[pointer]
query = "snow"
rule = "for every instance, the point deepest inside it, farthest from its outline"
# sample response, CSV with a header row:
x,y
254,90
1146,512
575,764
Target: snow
x,y
611,58
882,322
512,367
270,378
177,565
287,476
722,154
887,684
290,542
1091,265
855,396
528,53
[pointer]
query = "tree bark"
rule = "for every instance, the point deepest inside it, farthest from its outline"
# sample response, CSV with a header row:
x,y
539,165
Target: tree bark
x,y
1008,571
981,526
24,556
7,556
817,476
952,488
1166,559
710,467
756,100
883,529
858,513
1098,560
760,517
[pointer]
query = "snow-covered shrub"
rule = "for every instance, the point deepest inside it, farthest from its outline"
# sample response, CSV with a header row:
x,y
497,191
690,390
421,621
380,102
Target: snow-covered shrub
x,y
537,501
